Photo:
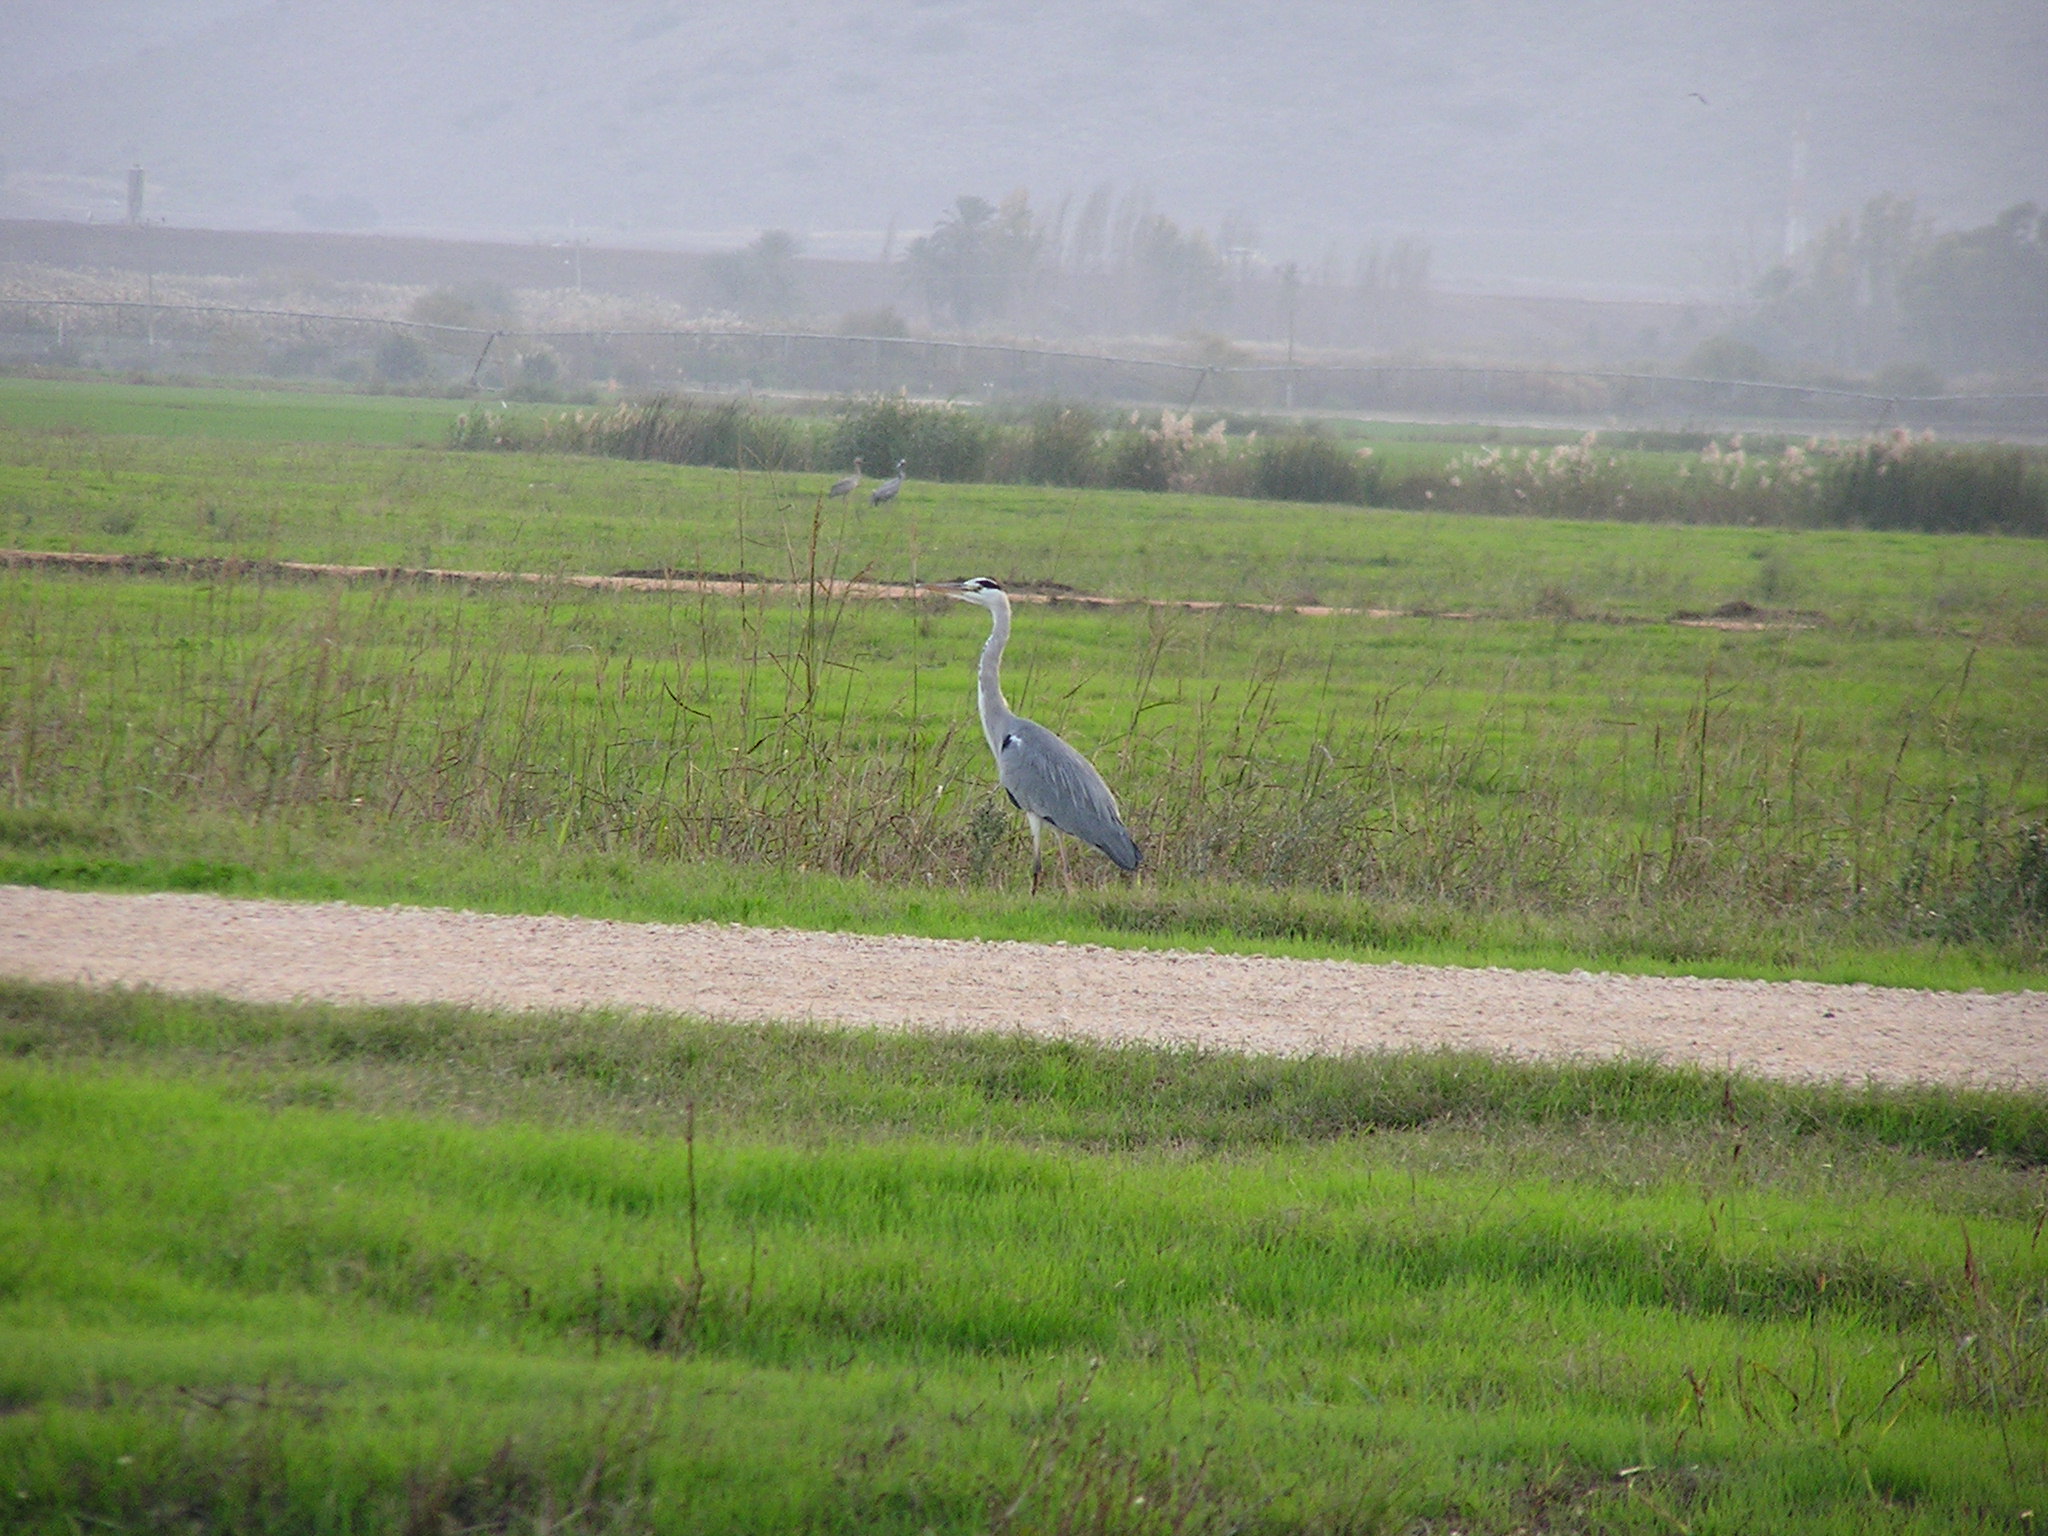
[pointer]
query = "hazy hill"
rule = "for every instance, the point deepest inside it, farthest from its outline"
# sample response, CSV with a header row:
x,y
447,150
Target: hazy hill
x,y
1589,142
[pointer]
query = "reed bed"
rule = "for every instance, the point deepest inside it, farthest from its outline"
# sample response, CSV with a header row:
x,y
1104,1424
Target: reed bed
x,y
1889,479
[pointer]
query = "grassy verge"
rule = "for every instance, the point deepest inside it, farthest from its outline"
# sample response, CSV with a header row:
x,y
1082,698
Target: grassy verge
x,y
537,875
355,1268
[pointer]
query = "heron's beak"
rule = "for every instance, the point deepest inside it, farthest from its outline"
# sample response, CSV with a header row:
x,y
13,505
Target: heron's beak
x,y
950,588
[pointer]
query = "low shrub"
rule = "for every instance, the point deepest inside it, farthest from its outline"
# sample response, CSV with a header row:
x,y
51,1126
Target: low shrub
x,y
539,375
873,322
1138,461
940,442
721,434
400,359
1173,456
1061,446
1904,482
1309,467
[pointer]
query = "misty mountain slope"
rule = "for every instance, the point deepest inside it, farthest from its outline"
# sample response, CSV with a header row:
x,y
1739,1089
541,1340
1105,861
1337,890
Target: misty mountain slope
x,y
1561,141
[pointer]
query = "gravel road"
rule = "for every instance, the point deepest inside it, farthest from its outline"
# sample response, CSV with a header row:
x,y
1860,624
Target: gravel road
x,y
272,951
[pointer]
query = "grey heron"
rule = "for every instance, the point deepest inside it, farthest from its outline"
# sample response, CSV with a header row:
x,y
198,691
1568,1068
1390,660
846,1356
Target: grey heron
x,y
845,486
1052,784
887,490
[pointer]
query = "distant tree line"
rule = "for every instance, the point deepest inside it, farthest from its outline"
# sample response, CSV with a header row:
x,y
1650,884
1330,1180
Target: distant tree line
x,y
1114,261
1880,292
1878,296
1111,263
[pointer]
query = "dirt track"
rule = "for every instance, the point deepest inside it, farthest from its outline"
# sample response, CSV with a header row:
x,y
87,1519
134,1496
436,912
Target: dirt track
x,y
279,951
1730,616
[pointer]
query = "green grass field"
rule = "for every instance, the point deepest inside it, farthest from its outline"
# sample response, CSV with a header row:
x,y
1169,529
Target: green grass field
x,y
343,1270
267,416
1348,786
330,1270
1545,773
98,470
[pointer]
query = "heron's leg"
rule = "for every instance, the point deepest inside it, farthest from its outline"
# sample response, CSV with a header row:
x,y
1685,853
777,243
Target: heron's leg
x,y
1037,849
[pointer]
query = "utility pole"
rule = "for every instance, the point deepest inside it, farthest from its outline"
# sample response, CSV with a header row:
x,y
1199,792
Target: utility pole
x,y
1290,284
135,189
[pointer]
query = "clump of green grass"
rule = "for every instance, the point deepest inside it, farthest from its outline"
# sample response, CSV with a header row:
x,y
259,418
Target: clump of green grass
x,y
834,1084
2010,891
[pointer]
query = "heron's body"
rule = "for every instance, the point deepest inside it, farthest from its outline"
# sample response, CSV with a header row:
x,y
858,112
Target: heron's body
x,y
847,485
1052,784
887,490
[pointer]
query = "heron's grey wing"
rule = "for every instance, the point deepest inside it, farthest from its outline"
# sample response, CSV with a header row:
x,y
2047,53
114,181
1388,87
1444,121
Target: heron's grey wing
x,y
1051,780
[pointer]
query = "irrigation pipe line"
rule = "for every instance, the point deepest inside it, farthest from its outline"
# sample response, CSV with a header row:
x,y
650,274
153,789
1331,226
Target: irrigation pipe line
x,y
1202,370
742,585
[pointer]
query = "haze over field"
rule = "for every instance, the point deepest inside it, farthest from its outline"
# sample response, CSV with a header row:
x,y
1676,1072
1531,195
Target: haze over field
x,y
1590,144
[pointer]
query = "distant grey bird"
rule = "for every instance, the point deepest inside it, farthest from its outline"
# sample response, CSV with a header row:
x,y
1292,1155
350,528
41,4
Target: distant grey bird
x,y
887,490
845,486
1052,784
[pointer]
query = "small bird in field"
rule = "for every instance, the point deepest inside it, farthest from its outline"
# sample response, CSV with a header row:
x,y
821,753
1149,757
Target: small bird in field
x,y
845,485
1052,784
887,490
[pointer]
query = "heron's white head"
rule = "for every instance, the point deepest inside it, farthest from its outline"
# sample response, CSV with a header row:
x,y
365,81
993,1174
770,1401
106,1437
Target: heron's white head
x,y
979,590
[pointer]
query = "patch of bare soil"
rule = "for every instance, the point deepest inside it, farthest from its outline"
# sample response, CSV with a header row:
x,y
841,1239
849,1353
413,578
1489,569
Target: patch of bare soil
x,y
1742,614
272,951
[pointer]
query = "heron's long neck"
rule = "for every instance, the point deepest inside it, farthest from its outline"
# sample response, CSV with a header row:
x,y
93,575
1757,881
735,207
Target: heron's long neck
x,y
994,708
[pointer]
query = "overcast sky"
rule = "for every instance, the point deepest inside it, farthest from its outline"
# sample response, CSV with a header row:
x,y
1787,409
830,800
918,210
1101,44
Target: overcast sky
x,y
1588,144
